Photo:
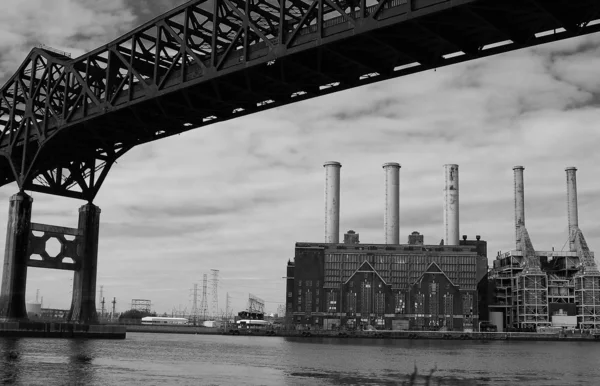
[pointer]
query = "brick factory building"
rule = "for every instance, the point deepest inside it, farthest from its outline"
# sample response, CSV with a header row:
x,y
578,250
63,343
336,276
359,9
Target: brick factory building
x,y
388,286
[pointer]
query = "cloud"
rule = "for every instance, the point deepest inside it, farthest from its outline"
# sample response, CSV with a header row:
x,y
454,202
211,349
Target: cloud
x,y
67,25
237,195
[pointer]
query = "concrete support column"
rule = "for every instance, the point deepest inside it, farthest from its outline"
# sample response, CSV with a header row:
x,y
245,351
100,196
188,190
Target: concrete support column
x,y
572,205
83,305
392,203
451,207
14,272
332,202
519,202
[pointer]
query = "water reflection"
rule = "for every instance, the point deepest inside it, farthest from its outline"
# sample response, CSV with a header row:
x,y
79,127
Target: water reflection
x,y
81,369
184,360
9,361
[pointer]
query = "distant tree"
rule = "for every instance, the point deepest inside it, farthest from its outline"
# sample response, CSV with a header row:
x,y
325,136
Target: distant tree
x,y
135,314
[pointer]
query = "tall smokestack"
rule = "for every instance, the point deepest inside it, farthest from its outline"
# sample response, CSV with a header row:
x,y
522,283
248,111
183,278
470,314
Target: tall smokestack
x,y
572,204
332,202
519,201
451,205
392,203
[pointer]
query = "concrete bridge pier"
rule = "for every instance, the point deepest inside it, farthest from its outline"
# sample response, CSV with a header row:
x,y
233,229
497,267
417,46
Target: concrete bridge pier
x,y
14,273
83,305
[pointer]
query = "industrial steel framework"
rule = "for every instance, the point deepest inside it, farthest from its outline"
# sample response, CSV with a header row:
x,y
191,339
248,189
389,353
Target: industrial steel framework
x,y
215,293
531,287
255,304
204,302
587,285
64,122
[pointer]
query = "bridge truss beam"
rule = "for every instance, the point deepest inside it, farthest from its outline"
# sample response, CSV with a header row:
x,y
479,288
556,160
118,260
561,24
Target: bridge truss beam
x,y
64,122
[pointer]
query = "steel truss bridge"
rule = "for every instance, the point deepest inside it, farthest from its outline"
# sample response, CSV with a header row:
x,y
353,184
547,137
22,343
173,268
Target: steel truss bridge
x,y
65,121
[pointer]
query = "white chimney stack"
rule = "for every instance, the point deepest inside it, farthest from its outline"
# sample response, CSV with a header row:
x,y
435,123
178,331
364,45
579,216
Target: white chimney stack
x,y
332,202
519,201
392,203
451,207
572,204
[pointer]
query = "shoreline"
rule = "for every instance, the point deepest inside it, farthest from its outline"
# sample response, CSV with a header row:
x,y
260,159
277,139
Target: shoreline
x,y
61,330
379,334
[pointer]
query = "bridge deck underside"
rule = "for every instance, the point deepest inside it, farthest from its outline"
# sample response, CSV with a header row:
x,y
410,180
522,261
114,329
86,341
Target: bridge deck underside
x,y
68,150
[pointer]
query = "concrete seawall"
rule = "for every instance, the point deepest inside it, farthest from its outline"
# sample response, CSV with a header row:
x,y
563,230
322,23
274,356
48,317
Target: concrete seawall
x,y
173,329
61,330
449,335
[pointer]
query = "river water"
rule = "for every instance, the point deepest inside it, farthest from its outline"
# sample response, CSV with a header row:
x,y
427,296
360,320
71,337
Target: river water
x,y
171,359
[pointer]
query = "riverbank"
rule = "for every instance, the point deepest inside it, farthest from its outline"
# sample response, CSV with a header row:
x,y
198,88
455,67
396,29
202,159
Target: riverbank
x,y
380,334
446,335
61,330
173,329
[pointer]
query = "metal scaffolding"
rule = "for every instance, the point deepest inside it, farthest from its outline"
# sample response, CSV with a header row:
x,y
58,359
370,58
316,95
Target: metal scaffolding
x,y
587,285
531,287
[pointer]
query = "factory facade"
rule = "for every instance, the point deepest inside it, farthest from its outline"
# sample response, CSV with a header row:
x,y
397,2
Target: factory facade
x,y
396,286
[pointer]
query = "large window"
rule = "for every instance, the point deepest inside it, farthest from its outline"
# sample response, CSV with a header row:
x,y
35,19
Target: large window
x,y
433,300
365,299
308,302
351,302
420,303
449,310
380,303
467,304
331,301
420,310
400,304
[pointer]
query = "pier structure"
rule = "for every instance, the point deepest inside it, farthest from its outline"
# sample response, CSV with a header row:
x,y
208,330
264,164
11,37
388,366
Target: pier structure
x,y
26,247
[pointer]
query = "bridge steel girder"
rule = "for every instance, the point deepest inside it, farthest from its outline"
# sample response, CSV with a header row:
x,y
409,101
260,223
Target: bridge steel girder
x,y
64,122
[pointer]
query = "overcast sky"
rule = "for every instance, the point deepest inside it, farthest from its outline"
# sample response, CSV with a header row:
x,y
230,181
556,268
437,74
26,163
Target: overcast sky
x,y
236,196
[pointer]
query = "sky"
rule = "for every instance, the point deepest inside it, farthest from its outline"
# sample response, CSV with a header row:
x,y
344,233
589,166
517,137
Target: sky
x,y
235,196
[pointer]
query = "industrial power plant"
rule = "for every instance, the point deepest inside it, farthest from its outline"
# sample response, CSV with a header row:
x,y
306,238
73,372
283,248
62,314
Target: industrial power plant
x,y
537,289
388,286
443,287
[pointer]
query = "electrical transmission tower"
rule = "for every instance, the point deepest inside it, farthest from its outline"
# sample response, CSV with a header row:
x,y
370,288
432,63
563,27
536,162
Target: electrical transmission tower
x,y
227,307
203,303
102,300
195,304
215,294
